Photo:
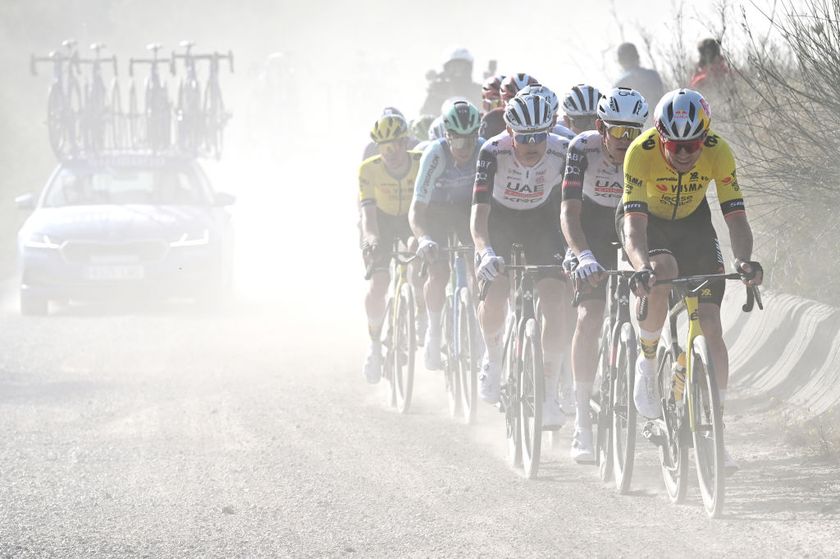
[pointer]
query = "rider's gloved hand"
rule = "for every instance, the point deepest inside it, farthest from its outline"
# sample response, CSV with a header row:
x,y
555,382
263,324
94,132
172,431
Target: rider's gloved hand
x,y
642,281
427,249
488,266
370,248
751,271
570,262
588,268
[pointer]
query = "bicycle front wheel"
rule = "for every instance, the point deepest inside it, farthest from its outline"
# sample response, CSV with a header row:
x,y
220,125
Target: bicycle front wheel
x,y
531,395
708,429
624,409
603,379
405,346
673,452
510,399
467,365
451,374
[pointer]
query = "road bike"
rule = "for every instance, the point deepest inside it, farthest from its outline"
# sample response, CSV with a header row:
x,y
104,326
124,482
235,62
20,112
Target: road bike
x,y
523,386
152,127
215,115
612,403
459,334
398,335
691,410
64,100
189,117
100,118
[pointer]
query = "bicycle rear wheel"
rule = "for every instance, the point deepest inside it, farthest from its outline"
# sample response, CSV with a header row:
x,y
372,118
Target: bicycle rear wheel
x,y
510,399
467,367
531,395
451,374
136,120
405,346
116,118
56,121
673,452
708,429
214,119
603,379
624,409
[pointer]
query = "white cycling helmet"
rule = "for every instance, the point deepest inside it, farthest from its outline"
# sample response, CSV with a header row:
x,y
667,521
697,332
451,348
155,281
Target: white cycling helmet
x,y
582,100
623,105
437,129
682,114
529,113
459,53
542,91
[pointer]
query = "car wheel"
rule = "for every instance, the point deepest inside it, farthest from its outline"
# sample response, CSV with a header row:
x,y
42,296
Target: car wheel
x,y
33,305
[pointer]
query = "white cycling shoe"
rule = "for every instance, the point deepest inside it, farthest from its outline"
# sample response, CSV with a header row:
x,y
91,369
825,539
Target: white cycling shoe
x,y
646,393
431,354
553,417
489,380
373,363
582,451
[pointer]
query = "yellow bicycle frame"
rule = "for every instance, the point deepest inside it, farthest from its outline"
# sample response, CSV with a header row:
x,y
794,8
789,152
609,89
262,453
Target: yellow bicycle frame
x,y
692,307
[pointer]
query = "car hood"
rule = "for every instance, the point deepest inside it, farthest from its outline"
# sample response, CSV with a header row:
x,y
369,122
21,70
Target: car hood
x,y
117,223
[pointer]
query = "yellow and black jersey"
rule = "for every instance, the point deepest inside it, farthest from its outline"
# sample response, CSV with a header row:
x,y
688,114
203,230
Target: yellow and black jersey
x,y
652,186
392,195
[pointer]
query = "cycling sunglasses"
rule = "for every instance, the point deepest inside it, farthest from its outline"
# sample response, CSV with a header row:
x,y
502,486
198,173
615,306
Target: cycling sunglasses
x,y
532,138
583,122
689,146
622,132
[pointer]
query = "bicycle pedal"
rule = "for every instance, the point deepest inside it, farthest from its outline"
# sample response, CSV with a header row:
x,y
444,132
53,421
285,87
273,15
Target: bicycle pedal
x,y
652,433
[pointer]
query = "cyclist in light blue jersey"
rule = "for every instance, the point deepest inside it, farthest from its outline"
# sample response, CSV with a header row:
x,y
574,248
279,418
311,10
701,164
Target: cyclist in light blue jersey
x,y
441,204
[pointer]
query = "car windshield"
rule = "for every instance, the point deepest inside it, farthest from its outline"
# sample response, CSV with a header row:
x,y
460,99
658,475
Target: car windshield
x,y
161,186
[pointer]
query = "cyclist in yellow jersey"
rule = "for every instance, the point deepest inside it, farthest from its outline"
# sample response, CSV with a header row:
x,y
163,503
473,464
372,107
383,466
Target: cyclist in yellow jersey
x,y
664,221
386,187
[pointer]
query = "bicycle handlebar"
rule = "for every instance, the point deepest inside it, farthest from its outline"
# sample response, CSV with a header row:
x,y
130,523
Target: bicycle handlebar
x,y
694,283
577,293
214,58
402,257
54,57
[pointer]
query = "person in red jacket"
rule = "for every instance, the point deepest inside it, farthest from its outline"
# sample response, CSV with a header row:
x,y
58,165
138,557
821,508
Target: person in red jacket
x,y
712,68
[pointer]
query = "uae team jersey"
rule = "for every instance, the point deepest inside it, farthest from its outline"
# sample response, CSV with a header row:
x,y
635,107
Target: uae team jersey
x,y
501,178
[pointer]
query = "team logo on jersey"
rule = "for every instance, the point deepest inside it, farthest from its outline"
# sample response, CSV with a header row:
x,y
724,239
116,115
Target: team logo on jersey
x,y
694,176
711,141
649,144
662,187
727,180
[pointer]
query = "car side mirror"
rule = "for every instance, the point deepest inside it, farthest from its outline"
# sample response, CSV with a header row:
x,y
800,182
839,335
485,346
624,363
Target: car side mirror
x,y
224,199
25,201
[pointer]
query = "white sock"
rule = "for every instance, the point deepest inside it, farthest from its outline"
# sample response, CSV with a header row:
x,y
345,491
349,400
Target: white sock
x,y
493,343
583,391
434,324
649,340
722,396
375,327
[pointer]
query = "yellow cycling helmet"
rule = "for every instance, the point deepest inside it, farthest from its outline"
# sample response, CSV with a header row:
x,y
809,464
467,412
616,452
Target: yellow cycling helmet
x,y
389,127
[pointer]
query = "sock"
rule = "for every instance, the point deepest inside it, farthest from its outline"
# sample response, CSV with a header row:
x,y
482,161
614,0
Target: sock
x,y
552,368
493,343
722,398
649,342
583,390
434,324
375,327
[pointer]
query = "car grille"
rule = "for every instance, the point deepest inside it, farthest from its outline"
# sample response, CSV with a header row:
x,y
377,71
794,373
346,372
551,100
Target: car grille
x,y
78,252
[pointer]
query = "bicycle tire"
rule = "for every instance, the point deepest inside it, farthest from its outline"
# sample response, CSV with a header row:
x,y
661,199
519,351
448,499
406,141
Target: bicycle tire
x,y
73,112
386,338
468,368
95,117
56,121
116,117
135,119
509,399
708,432
603,426
451,374
405,348
624,409
214,119
673,454
531,396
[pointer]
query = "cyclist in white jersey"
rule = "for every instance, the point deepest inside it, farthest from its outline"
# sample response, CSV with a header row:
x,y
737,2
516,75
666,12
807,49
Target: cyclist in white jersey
x,y
441,204
518,179
592,188
581,106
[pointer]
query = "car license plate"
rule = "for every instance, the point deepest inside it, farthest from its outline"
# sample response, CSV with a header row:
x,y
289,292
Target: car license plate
x,y
116,273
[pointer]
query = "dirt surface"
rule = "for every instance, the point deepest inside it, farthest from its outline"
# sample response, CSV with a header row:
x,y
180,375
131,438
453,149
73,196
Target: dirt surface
x,y
155,432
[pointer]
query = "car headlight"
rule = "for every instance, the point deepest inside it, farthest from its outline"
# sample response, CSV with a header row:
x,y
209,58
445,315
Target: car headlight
x,y
42,240
192,239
